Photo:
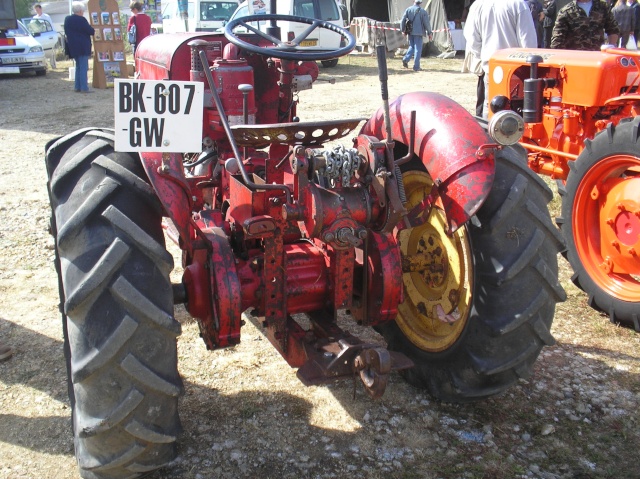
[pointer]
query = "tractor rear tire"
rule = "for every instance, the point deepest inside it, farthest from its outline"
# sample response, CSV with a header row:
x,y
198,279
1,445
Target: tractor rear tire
x,y
117,307
502,319
603,166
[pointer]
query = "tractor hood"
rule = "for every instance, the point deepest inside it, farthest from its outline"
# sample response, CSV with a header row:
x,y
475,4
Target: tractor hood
x,y
589,78
168,56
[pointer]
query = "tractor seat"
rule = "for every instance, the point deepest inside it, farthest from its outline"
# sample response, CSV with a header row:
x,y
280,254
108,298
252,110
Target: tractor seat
x,y
301,133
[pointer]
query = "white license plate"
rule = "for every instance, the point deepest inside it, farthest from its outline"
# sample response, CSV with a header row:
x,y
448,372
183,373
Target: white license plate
x,y
308,43
9,70
158,115
8,60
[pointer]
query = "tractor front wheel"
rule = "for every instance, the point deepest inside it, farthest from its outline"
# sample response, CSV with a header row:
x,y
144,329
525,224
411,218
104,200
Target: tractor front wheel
x,y
479,304
117,307
601,222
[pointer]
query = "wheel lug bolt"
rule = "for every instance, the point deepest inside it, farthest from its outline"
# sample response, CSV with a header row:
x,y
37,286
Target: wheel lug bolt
x,y
607,265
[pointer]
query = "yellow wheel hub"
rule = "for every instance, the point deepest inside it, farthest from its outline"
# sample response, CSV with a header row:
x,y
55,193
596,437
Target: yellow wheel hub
x,y
437,272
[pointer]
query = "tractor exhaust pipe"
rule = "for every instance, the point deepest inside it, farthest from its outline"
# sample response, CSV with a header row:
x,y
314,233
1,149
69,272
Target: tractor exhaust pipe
x,y
532,108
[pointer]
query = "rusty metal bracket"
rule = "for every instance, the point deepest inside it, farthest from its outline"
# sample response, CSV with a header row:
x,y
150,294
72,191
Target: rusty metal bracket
x,y
419,214
374,366
337,354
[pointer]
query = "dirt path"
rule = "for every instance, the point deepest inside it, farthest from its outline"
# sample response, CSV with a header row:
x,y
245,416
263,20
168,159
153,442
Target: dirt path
x,y
244,412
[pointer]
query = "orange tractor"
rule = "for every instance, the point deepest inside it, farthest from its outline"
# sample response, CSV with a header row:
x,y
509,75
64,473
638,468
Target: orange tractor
x,y
580,128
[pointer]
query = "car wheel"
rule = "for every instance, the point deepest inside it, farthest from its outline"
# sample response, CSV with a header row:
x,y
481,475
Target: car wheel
x,y
329,63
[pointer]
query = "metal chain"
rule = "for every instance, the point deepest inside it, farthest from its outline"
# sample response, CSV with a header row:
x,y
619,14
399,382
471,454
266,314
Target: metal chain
x,y
341,164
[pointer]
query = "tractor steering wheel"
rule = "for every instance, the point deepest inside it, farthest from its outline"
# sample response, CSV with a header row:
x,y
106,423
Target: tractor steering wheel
x,y
289,50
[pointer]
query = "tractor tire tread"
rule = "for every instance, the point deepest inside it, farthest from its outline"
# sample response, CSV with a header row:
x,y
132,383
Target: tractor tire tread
x,y
118,307
615,139
516,288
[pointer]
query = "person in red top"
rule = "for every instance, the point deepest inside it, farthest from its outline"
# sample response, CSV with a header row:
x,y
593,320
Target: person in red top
x,y
142,21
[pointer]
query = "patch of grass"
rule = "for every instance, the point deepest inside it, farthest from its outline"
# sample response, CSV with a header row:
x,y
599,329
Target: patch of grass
x,y
248,410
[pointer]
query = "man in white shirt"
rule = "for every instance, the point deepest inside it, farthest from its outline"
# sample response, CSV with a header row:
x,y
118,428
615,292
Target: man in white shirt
x,y
498,24
42,16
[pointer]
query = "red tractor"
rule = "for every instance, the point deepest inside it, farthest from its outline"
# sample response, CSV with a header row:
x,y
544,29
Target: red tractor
x,y
421,227
580,128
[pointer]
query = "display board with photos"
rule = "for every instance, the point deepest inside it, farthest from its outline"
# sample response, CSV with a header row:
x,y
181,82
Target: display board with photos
x,y
109,60
153,9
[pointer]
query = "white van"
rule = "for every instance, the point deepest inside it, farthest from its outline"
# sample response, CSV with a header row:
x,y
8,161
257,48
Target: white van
x,y
203,16
327,10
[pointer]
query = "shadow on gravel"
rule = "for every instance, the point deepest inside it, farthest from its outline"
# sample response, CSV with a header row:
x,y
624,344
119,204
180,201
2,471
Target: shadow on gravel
x,y
577,417
34,380
38,361
48,435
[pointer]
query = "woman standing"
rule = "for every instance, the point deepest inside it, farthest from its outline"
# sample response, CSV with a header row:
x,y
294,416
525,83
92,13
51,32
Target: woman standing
x,y
79,33
142,22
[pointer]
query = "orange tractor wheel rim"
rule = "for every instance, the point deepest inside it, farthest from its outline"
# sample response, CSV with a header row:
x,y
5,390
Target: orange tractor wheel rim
x,y
606,225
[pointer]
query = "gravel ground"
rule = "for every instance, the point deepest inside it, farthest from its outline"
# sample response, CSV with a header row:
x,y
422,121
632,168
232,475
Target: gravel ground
x,y
244,412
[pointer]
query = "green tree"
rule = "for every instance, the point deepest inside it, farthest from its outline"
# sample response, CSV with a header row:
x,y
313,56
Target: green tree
x,y
24,8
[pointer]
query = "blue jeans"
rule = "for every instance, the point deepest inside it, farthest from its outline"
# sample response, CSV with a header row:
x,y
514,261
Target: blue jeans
x,y
82,70
415,51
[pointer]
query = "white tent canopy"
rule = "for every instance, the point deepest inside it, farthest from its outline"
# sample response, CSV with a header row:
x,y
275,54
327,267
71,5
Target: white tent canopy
x,y
437,15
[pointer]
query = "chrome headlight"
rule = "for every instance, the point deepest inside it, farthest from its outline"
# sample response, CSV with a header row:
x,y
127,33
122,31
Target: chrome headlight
x,y
506,127
35,49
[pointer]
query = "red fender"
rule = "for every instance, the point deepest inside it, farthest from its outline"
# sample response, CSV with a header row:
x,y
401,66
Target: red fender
x,y
165,172
447,140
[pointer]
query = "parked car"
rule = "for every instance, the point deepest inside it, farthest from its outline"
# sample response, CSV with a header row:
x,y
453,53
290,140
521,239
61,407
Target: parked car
x,y
327,10
21,53
203,15
45,35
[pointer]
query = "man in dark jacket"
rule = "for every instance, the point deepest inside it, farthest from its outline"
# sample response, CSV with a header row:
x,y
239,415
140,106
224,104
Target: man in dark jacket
x,y
550,11
581,25
636,9
419,19
79,33
535,7
626,20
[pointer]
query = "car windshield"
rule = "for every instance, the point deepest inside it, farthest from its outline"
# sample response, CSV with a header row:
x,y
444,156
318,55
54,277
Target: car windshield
x,y
242,11
36,25
172,11
302,8
217,10
21,31
329,11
